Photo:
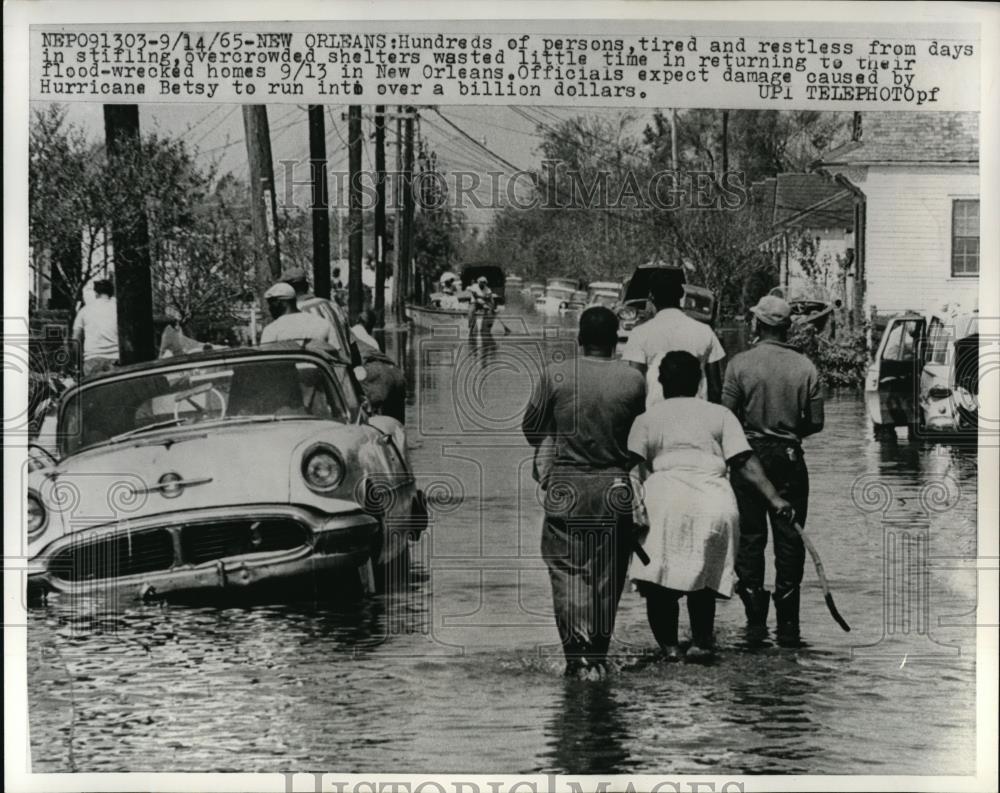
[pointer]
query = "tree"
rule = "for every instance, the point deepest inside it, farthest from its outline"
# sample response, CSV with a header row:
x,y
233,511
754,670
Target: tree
x,y
66,216
198,220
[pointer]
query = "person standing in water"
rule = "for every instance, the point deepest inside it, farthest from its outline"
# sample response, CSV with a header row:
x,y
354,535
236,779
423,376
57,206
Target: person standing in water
x,y
587,538
683,446
774,390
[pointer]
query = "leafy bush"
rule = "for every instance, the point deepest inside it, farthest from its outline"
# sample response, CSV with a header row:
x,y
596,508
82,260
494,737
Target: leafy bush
x,y
841,361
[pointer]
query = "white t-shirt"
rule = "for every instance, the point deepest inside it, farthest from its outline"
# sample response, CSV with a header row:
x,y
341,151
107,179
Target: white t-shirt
x,y
98,320
300,326
671,329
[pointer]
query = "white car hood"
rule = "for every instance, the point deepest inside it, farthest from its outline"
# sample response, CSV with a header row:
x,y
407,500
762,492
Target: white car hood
x,y
225,465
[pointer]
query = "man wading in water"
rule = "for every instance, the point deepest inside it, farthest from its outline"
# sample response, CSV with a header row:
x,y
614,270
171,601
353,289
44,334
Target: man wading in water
x,y
587,536
774,391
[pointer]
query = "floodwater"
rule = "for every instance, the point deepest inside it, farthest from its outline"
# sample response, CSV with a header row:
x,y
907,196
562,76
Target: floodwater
x,y
459,670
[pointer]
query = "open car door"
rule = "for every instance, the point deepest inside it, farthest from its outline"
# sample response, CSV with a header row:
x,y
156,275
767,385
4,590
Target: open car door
x,y
892,380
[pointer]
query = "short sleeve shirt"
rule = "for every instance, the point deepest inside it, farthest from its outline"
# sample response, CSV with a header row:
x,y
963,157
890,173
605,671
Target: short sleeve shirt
x,y
671,329
98,320
588,407
687,431
770,387
300,326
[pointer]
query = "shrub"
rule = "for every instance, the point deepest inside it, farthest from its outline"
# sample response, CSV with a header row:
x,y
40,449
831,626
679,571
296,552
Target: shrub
x,y
841,361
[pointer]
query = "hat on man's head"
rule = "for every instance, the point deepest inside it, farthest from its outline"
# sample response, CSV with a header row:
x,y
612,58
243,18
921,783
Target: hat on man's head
x,y
773,311
482,280
280,291
294,274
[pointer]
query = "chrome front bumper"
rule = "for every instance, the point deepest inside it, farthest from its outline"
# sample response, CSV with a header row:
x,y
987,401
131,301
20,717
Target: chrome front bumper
x,y
207,549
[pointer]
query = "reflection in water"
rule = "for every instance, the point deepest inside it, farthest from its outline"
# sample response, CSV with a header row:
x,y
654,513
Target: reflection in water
x,y
587,733
445,675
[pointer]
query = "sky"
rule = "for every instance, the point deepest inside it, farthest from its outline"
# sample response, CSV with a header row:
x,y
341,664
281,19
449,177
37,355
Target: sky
x,y
216,130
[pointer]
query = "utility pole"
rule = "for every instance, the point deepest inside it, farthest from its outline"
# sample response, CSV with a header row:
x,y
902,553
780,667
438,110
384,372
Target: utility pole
x,y
406,236
725,141
355,287
320,202
673,139
380,215
674,165
130,239
397,227
263,204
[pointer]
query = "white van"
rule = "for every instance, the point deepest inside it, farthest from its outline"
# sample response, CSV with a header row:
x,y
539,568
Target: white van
x,y
925,374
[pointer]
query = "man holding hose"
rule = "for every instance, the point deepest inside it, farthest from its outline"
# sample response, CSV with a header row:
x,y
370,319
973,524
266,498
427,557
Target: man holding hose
x,y
774,390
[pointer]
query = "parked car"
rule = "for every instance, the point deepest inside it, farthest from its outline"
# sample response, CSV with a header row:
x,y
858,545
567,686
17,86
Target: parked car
x,y
233,470
602,287
924,375
534,289
557,300
600,297
634,306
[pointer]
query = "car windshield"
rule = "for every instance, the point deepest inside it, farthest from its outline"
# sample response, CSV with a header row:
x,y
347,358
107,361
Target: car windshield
x,y
247,390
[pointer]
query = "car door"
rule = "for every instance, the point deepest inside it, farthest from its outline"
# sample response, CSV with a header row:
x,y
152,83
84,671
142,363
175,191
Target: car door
x,y
892,380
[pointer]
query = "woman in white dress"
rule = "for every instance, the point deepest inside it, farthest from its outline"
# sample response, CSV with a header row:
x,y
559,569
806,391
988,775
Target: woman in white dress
x,y
684,446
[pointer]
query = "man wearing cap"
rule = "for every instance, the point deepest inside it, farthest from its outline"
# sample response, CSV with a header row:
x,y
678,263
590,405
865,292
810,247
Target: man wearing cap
x,y
290,324
671,329
482,302
774,390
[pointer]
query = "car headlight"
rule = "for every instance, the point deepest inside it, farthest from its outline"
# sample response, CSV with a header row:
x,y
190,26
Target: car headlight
x,y
322,468
37,516
627,314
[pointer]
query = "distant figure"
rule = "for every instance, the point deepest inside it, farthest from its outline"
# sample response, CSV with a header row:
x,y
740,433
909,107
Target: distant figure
x,y
362,329
290,324
774,390
448,284
96,328
672,329
482,304
586,413
336,281
683,446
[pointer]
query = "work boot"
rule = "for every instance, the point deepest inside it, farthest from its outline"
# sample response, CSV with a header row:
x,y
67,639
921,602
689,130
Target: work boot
x,y
786,609
756,601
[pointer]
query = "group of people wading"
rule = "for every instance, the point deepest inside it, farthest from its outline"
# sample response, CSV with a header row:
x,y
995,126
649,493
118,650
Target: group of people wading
x,y
665,473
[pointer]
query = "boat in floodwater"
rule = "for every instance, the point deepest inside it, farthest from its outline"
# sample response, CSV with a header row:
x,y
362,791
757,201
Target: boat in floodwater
x,y
452,310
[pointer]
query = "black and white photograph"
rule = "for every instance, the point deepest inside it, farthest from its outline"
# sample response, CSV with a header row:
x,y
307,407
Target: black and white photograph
x,y
556,403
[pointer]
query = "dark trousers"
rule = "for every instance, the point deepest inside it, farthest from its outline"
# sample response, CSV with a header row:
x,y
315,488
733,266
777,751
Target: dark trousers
x,y
785,466
587,568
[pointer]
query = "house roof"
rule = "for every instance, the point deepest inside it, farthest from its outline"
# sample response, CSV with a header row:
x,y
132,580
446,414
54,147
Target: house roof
x,y
895,137
803,200
810,200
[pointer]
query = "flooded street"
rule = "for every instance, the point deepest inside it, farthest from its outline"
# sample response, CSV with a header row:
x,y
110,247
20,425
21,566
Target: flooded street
x,y
459,670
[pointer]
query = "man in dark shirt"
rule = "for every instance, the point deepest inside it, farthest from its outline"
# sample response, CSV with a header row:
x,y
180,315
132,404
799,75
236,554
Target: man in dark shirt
x,y
774,390
587,538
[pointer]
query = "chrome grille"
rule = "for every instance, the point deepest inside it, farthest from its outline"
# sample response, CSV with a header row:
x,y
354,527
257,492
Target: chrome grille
x,y
205,542
115,556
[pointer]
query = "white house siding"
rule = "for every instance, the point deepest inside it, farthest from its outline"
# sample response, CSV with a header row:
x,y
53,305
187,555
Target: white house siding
x,y
908,235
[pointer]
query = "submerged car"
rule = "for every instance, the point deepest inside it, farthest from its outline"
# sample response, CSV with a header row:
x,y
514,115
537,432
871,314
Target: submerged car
x,y
925,375
232,470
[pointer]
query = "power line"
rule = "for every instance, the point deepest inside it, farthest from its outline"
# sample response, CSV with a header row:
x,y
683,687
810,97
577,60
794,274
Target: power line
x,y
484,147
